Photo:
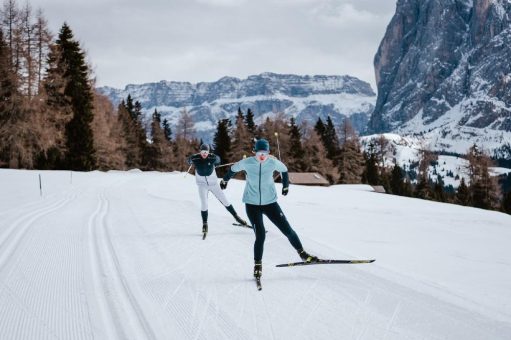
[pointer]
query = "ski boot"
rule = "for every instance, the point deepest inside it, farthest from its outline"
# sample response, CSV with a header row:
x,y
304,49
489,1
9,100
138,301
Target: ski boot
x,y
258,269
307,257
241,221
204,230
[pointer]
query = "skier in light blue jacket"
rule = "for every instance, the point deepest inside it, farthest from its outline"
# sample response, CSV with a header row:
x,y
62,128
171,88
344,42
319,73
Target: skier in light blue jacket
x,y
260,197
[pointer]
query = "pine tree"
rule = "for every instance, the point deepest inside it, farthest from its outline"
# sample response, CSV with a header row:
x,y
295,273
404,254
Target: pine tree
x,y
241,140
185,125
463,194
274,131
184,144
108,137
79,137
43,38
249,122
9,108
397,180
484,188
370,174
167,130
331,141
160,155
222,140
350,159
7,82
320,128
438,189
315,157
295,160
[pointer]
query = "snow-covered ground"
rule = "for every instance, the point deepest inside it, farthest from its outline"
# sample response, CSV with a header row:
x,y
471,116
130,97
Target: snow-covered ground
x,y
119,255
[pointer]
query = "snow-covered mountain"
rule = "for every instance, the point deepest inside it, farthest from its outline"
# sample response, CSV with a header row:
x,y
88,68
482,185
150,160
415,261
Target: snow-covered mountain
x,y
406,152
119,255
443,72
304,97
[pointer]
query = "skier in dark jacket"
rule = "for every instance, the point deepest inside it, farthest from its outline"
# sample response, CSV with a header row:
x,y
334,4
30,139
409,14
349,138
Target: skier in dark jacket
x,y
206,179
260,198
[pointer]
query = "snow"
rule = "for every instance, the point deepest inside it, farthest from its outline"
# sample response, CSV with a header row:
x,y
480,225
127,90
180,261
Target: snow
x,y
119,255
406,150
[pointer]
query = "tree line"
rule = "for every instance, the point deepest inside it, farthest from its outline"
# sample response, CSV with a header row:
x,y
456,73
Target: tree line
x,y
52,118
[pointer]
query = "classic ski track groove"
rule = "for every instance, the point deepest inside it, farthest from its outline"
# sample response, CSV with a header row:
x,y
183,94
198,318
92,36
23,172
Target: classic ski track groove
x,y
123,308
21,226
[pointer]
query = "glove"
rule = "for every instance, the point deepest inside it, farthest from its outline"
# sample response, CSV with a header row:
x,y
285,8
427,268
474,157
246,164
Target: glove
x,y
223,184
285,190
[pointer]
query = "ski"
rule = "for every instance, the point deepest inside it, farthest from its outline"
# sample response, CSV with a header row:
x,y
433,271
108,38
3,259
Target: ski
x,y
320,261
204,235
242,225
258,283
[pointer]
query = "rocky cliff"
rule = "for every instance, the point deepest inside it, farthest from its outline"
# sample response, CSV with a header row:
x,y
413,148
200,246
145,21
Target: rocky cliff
x,y
443,69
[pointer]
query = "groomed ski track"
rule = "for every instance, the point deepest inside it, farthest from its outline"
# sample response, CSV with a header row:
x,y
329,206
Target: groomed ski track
x,y
120,255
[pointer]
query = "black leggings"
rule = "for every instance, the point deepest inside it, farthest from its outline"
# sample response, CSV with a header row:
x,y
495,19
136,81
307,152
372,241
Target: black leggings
x,y
275,214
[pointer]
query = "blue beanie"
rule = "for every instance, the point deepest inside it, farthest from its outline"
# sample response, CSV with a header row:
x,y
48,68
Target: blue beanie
x,y
262,145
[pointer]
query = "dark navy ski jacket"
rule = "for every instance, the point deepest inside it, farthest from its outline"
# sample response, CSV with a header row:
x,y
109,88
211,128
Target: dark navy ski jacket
x,y
204,166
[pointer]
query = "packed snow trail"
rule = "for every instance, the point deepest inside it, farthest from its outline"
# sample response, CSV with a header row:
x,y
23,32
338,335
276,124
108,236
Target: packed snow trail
x,y
119,255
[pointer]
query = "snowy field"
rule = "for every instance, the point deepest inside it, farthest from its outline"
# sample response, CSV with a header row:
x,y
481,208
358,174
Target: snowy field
x,y
119,255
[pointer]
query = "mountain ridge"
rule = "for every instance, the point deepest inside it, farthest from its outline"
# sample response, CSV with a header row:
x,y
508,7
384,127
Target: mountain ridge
x,y
304,97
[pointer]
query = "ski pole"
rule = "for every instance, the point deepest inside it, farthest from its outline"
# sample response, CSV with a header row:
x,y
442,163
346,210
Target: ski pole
x,y
187,171
278,145
221,166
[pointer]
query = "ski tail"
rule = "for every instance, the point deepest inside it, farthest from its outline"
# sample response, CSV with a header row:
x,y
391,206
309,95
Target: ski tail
x,y
321,261
258,283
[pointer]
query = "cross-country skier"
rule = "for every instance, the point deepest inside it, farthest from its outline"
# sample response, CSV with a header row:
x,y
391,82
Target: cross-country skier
x,y
206,179
260,197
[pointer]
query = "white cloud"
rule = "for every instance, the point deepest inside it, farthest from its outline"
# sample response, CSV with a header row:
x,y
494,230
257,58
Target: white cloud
x,y
222,3
129,41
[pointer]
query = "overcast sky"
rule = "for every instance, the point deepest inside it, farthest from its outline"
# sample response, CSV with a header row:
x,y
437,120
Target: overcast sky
x,y
136,41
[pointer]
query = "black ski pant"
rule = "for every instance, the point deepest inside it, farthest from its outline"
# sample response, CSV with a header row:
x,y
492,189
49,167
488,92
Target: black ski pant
x,y
275,214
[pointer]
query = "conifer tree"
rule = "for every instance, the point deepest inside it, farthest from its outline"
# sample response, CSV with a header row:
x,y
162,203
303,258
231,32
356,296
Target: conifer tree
x,y
43,38
241,139
167,130
438,189
184,144
275,132
331,141
295,159
397,180
315,156
320,128
159,151
350,159
131,145
370,174
9,107
249,122
222,141
484,188
108,137
463,193
79,137
423,189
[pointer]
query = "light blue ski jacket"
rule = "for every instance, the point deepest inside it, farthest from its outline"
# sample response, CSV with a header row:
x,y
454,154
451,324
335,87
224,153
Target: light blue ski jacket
x,y
259,187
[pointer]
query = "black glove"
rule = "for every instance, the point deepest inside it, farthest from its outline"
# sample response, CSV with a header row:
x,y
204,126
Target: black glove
x,y
285,190
223,184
